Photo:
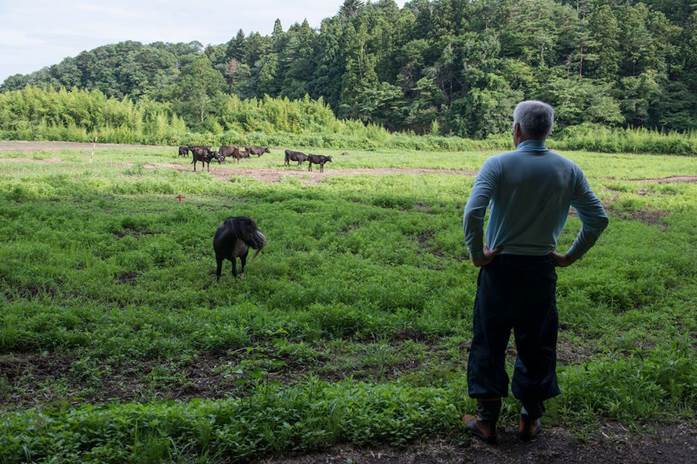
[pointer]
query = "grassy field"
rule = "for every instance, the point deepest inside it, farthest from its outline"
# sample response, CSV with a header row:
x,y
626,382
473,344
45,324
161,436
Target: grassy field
x,y
117,345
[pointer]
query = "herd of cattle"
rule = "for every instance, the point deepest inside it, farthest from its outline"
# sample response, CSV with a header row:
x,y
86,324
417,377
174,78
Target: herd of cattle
x,y
237,235
205,155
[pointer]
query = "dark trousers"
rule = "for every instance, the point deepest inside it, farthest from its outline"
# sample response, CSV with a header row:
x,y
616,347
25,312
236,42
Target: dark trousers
x,y
515,293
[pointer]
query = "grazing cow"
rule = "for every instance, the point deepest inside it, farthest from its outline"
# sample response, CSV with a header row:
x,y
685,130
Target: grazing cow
x,y
183,151
199,149
254,150
298,156
233,239
227,150
235,152
205,155
318,159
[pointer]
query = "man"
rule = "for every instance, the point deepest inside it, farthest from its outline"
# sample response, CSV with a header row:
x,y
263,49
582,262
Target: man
x,y
530,191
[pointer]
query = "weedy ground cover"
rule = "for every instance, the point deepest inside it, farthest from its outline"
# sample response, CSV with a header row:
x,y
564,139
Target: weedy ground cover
x,y
116,343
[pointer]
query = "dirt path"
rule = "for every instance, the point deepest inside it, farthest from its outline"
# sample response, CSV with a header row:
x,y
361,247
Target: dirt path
x,y
24,146
613,445
271,175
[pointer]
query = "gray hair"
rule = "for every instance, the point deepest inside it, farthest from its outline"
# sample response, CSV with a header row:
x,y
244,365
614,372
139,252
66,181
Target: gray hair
x,y
534,117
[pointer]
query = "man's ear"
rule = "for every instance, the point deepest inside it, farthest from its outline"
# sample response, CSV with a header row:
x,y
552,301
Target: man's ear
x,y
516,134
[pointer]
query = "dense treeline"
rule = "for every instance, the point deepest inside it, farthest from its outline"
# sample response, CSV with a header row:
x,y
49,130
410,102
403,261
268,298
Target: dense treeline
x,y
81,115
454,67
84,116
123,69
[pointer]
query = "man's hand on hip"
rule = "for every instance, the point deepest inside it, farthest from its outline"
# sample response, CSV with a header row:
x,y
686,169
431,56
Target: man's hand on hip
x,y
562,260
488,257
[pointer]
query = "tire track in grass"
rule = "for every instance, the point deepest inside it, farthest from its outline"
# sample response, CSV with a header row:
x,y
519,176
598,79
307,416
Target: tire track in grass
x,y
667,180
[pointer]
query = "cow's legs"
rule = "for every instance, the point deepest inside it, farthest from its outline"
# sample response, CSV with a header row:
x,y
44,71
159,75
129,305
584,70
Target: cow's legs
x,y
243,261
194,165
218,267
234,267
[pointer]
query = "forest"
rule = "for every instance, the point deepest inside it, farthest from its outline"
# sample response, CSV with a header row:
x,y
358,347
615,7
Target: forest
x,y
447,67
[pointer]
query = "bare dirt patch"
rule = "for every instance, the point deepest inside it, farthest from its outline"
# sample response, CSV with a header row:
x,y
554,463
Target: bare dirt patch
x,y
654,217
674,444
128,278
211,375
17,365
667,180
572,353
16,369
425,241
130,231
273,175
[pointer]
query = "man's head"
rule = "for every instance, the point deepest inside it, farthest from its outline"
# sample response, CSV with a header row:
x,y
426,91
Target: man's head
x,y
532,119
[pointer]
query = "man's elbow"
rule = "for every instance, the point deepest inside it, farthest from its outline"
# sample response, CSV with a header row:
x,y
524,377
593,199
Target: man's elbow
x,y
603,222
595,225
598,225
467,218
473,216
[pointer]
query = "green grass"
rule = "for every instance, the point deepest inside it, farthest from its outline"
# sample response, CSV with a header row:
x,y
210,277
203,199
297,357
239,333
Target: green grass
x,y
116,344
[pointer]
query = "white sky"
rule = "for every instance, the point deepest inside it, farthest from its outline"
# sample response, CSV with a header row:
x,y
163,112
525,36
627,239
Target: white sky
x,y
38,33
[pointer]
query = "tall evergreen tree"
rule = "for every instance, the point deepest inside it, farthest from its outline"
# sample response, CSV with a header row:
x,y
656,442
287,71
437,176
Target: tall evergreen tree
x,y
360,71
296,61
330,64
236,47
350,8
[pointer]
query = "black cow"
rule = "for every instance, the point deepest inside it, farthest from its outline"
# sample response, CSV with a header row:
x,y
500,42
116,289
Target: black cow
x,y
318,159
258,150
233,239
199,149
205,155
235,152
183,151
298,156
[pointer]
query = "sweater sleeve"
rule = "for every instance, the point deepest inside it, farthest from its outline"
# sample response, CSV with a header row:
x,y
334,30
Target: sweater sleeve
x,y
592,214
475,210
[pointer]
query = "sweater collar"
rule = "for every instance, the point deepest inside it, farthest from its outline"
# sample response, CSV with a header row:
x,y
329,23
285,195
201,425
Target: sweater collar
x,y
532,145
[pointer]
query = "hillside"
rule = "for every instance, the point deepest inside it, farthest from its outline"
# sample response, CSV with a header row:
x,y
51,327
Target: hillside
x,y
452,67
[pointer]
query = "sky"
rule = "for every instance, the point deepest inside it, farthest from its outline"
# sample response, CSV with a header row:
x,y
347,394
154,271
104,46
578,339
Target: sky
x,y
38,33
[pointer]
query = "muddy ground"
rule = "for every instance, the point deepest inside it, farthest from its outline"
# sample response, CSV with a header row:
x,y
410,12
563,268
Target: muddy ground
x,y
676,444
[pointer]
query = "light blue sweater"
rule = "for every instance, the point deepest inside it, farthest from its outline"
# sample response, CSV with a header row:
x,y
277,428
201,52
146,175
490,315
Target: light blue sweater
x,y
530,191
